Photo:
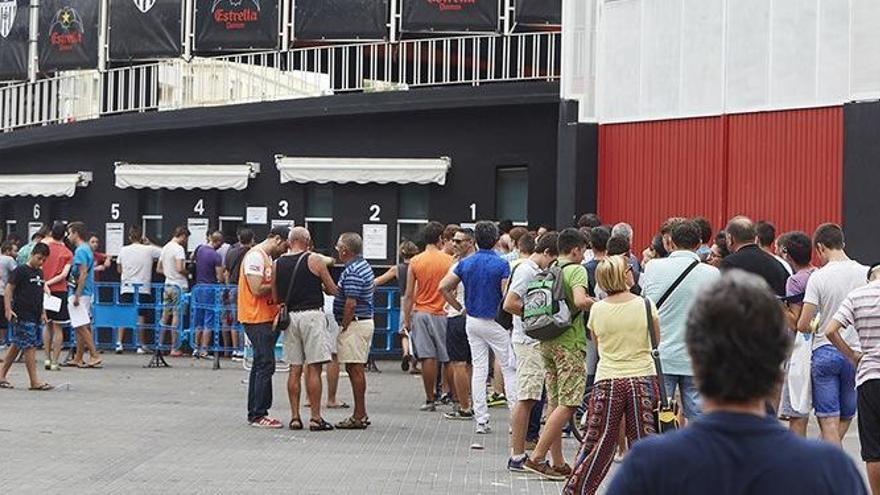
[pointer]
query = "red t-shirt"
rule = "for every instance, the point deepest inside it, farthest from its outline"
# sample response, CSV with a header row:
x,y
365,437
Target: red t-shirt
x,y
59,257
100,258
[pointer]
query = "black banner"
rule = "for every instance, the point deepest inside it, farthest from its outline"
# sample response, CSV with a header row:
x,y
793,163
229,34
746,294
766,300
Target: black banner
x,y
68,34
539,11
145,29
450,16
340,19
14,29
236,25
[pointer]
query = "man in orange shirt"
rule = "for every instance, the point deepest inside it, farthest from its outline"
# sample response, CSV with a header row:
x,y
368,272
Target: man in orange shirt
x,y
257,312
425,311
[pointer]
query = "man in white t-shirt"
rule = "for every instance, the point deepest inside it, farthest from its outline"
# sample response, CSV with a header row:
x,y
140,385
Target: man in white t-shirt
x,y
833,375
529,363
135,265
172,263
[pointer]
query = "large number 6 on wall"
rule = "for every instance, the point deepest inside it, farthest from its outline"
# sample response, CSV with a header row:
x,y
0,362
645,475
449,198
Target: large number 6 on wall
x,y
36,211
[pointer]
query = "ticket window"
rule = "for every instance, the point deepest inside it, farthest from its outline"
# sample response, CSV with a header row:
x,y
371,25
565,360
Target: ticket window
x,y
152,228
10,228
512,194
229,226
410,230
413,202
319,217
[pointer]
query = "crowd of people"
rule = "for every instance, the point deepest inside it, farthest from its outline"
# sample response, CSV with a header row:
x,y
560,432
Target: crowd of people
x,y
738,328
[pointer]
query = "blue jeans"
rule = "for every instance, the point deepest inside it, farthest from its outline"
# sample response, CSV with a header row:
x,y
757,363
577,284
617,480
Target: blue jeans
x,y
263,339
834,384
691,404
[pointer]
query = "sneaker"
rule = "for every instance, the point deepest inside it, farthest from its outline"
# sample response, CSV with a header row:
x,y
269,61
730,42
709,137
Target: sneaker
x,y
47,364
204,355
482,429
55,367
428,406
516,464
237,359
142,350
267,423
459,414
444,399
119,348
564,470
543,470
497,400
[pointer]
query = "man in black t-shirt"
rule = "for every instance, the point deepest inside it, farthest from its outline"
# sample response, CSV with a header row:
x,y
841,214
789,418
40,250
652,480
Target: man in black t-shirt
x,y
747,256
23,306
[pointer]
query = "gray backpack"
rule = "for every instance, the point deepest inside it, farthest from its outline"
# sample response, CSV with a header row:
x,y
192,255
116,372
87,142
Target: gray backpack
x,y
545,313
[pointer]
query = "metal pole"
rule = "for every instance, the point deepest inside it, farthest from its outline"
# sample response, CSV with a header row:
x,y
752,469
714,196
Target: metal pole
x,y
287,14
188,23
32,42
392,24
102,36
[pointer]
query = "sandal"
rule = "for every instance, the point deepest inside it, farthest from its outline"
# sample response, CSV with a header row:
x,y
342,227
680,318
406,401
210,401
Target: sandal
x,y
319,425
341,405
6,384
352,423
42,387
295,424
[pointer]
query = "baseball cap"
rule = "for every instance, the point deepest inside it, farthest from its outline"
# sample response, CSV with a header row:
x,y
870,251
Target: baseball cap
x,y
280,230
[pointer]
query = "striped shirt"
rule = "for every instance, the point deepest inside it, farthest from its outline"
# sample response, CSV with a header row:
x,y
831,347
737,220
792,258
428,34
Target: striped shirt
x,y
861,310
356,282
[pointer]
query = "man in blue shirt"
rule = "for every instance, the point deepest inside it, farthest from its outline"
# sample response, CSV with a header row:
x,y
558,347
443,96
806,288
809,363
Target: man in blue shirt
x,y
737,339
484,275
353,309
80,302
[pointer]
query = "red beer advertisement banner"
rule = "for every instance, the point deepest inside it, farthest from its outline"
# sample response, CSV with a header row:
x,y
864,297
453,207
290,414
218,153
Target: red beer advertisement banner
x,y
145,29
450,16
14,22
236,25
68,37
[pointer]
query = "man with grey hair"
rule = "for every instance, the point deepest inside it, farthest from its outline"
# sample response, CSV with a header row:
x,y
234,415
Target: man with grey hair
x,y
625,230
301,280
353,309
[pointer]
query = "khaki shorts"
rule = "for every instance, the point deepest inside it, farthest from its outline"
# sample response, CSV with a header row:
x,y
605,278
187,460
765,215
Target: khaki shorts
x,y
305,340
170,300
354,343
529,372
566,375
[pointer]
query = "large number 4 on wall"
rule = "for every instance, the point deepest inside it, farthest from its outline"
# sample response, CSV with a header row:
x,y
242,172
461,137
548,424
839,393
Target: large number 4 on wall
x,y
199,207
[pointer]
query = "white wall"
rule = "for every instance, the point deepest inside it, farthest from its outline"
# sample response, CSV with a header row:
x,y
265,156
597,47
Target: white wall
x,y
659,59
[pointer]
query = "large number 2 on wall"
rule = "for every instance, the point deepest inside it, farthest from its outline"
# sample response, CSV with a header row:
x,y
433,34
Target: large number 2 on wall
x,y
375,210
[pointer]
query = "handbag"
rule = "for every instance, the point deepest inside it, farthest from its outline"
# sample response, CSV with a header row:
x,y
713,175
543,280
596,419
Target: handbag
x,y
666,410
282,321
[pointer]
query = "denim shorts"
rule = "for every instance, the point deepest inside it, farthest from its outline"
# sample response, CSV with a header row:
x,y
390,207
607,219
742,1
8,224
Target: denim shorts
x,y
834,384
691,404
26,335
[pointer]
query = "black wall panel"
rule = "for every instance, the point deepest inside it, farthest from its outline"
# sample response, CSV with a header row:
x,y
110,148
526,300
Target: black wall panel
x,y
861,180
142,29
14,27
340,19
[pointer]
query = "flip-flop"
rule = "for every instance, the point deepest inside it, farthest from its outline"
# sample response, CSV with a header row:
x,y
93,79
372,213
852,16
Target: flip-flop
x,y
295,424
98,365
42,387
319,425
6,384
341,405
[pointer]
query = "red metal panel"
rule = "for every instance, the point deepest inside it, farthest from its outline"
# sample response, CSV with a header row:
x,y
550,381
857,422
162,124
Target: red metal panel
x,y
650,171
786,167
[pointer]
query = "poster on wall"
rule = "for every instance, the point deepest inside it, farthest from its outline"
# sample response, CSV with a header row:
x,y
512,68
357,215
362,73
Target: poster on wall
x,y
236,25
68,37
145,29
198,232
33,228
114,238
375,237
340,20
276,222
256,215
450,16
539,12
14,31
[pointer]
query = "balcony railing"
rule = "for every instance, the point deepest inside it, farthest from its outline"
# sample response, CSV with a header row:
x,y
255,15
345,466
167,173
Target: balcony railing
x,y
280,75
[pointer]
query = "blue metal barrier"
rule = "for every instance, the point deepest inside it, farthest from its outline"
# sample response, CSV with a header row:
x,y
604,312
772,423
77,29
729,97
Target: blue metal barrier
x,y
386,337
111,313
214,309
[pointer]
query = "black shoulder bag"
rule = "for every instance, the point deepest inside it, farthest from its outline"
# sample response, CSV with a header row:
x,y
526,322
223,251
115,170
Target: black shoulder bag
x,y
282,322
666,411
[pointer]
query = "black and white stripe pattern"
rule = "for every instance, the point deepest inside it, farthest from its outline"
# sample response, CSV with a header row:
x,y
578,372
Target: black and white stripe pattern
x,y
144,5
7,16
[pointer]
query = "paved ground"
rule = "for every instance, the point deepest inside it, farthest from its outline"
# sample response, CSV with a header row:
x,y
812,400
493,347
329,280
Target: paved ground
x,y
125,429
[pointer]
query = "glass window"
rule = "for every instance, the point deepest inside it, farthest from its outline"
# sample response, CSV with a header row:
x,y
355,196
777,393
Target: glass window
x,y
322,236
152,200
152,226
319,201
410,231
512,194
413,201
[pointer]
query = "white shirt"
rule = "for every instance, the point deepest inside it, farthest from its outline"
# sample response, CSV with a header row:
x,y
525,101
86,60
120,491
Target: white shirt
x,y
524,273
784,265
136,261
827,288
171,253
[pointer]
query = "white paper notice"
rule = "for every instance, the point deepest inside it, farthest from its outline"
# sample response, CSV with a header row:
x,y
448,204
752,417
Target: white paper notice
x,y
466,225
51,303
33,228
256,215
375,241
114,238
198,230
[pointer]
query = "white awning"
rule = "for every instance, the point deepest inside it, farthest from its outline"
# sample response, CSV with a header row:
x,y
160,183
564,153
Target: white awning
x,y
184,176
363,170
43,184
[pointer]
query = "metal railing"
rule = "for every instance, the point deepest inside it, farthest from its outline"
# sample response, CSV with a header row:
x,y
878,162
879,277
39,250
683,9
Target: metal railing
x,y
279,75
